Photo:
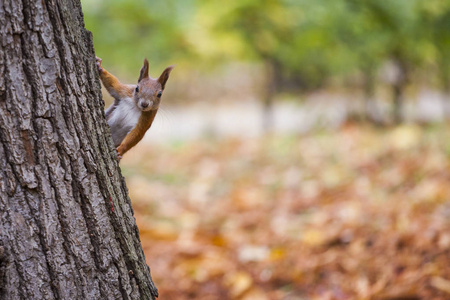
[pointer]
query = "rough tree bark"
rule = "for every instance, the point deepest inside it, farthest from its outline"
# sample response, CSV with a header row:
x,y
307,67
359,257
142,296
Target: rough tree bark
x,y
67,229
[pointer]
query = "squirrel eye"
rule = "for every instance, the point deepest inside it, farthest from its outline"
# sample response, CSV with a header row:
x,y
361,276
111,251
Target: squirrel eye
x,y
159,95
137,89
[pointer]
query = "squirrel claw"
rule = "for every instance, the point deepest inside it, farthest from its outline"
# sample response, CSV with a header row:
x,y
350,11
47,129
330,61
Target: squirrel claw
x,y
98,61
119,155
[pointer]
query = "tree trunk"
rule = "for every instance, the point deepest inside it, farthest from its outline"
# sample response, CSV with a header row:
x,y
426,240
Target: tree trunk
x,y
398,103
67,229
371,112
268,96
398,89
444,76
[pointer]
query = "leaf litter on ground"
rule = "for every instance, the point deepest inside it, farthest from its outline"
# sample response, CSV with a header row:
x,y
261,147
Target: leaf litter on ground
x,y
358,213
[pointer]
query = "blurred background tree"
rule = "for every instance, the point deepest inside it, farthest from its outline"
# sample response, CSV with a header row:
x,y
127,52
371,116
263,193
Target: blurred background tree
x,y
293,46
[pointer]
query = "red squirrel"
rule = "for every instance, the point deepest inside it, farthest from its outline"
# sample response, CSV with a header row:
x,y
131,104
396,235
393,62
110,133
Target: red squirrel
x,y
134,107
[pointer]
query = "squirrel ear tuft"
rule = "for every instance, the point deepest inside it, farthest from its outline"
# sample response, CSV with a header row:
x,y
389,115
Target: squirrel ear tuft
x,y
144,70
165,76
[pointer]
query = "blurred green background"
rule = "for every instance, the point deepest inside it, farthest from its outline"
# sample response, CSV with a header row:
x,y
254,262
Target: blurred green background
x,y
281,49
327,206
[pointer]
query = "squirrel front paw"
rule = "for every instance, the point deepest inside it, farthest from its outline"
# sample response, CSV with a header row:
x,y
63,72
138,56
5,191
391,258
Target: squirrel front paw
x,y
98,61
119,153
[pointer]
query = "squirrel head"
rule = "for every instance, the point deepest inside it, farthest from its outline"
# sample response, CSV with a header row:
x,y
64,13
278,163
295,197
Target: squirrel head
x,y
148,91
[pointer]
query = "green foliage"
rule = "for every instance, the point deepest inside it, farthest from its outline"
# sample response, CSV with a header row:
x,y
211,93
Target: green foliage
x,y
127,31
436,15
307,41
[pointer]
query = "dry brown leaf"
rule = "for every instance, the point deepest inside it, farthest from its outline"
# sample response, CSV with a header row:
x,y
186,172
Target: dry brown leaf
x,y
238,283
440,284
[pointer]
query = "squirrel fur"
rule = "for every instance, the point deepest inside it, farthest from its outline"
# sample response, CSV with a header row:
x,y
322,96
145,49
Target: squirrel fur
x,y
135,105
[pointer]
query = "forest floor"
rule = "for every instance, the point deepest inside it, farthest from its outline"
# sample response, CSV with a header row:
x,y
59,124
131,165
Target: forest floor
x,y
356,213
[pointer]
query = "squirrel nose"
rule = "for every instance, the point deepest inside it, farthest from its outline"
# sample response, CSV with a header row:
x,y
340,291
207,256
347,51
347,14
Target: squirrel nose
x,y
144,104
